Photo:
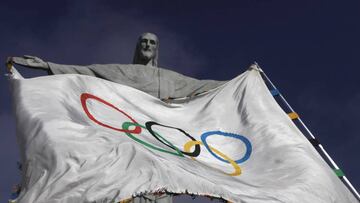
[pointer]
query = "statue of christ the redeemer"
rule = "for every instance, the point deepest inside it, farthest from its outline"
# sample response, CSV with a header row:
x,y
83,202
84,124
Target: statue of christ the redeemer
x,y
144,74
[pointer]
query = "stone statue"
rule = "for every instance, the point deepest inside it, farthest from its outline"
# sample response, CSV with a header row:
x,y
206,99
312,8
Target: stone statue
x,y
146,53
144,74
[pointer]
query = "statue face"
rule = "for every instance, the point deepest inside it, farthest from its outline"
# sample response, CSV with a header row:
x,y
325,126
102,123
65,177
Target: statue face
x,y
148,46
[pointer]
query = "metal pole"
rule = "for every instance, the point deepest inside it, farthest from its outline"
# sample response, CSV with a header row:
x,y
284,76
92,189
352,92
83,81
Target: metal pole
x,y
333,164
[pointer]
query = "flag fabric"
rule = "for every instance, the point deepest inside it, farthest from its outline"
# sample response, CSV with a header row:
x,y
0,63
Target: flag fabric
x,y
85,139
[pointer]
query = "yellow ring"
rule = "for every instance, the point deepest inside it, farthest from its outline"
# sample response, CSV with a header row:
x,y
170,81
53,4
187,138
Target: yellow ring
x,y
237,168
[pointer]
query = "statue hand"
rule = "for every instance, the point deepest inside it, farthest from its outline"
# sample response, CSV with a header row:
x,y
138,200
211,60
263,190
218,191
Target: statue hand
x,y
29,61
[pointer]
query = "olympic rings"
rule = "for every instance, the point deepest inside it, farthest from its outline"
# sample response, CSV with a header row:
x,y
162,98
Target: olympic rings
x,y
237,168
148,126
195,153
240,137
86,96
156,135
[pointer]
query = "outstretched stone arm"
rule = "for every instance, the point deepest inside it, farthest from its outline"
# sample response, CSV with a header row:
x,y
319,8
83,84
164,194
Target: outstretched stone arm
x,y
158,82
29,61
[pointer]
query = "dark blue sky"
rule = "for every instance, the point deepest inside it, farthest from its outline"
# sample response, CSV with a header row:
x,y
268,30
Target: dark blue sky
x,y
309,48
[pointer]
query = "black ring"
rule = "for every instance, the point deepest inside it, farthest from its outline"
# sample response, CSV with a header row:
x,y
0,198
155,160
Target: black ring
x,y
195,153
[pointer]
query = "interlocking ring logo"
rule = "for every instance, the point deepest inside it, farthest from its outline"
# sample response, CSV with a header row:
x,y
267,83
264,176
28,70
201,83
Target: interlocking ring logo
x,y
125,128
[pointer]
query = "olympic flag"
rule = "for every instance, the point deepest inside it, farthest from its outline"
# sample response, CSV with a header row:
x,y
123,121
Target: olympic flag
x,y
84,139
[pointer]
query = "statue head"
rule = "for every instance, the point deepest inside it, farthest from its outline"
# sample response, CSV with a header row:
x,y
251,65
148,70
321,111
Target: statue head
x,y
147,49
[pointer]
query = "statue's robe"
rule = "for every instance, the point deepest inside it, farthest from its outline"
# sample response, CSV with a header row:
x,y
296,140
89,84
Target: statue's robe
x,y
159,82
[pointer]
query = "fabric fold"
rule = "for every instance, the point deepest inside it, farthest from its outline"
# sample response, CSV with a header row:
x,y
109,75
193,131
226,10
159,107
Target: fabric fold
x,y
85,139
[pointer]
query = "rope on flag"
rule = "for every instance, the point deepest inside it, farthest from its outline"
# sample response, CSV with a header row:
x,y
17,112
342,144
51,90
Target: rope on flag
x,y
275,92
293,115
339,173
315,142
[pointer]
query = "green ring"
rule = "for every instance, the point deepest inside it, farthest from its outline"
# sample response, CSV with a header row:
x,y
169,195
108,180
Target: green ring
x,y
126,125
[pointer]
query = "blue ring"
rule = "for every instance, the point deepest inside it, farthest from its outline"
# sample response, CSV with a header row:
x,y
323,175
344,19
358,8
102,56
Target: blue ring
x,y
240,137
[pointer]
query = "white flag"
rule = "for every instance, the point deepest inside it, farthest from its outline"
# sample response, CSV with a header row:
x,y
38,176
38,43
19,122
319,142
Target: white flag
x,y
84,139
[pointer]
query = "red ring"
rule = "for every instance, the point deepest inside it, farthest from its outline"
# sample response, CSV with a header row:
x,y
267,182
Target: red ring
x,y
85,96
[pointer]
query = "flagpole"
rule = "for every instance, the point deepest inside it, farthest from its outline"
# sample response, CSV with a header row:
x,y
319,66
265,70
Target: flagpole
x,y
333,164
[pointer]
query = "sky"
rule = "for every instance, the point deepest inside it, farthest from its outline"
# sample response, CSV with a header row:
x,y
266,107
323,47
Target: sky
x,y
309,49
